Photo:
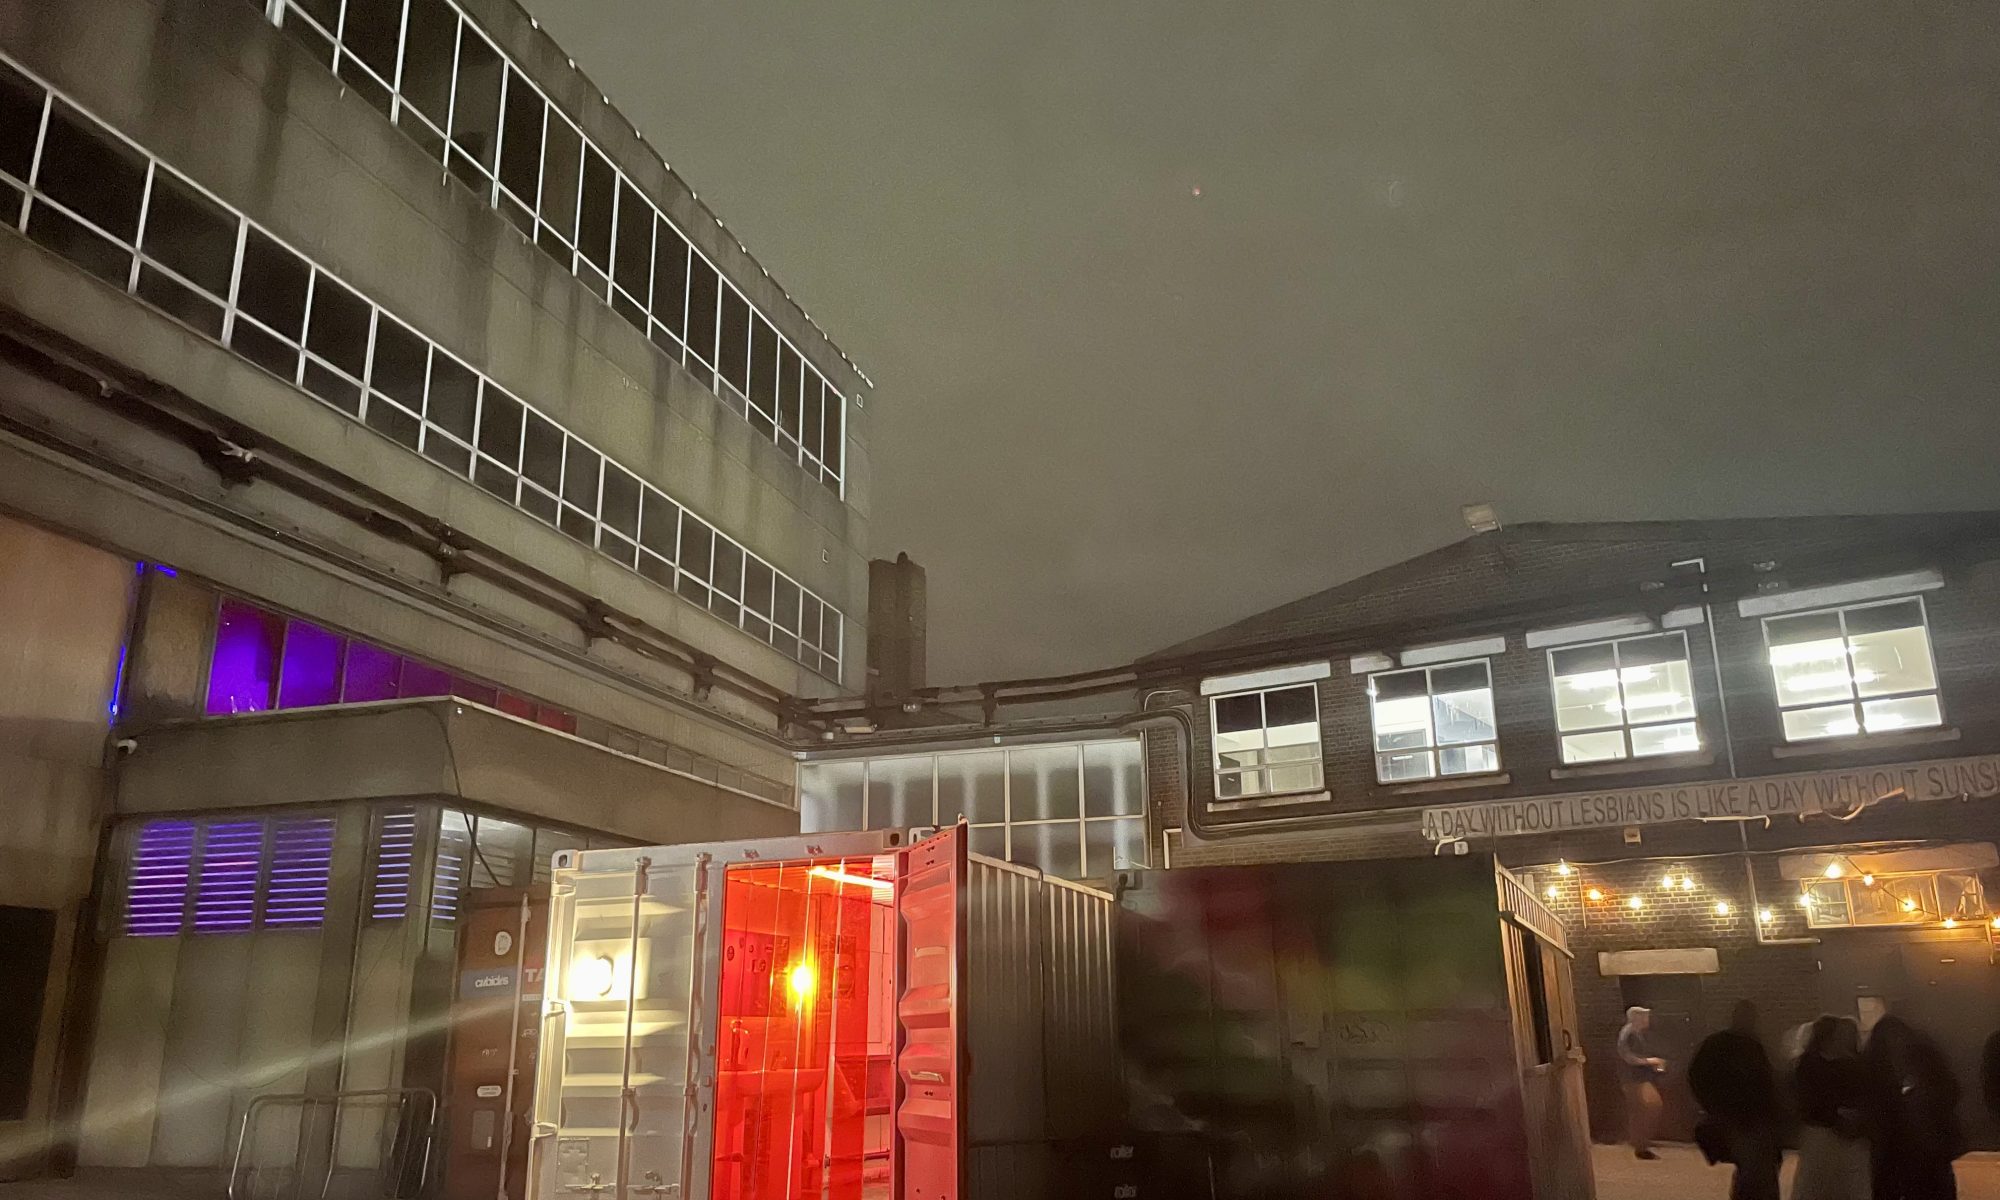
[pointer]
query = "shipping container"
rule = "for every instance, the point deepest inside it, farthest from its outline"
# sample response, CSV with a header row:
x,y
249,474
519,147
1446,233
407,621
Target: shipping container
x,y
840,1015
1391,1030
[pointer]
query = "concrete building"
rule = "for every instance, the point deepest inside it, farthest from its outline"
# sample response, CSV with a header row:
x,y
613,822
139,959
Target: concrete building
x,y
1752,758
402,475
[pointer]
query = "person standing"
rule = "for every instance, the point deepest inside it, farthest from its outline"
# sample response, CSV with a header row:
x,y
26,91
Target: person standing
x,y
1914,1101
1730,1075
1641,1076
1832,1092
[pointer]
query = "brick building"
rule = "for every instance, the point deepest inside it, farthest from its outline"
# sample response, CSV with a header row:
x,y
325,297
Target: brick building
x,y
1740,758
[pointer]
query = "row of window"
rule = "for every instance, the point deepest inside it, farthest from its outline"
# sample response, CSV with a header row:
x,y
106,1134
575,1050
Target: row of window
x,y
262,660
440,79
1839,672
239,874
75,186
1074,810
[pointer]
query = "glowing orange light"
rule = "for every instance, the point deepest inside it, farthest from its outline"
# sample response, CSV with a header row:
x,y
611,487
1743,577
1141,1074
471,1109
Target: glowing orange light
x,y
839,876
803,981
1594,894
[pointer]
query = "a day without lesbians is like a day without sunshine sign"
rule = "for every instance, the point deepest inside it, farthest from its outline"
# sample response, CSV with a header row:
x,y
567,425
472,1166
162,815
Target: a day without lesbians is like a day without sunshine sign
x,y
1769,796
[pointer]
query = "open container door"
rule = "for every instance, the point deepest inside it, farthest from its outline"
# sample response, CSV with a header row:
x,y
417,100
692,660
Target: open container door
x,y
929,1131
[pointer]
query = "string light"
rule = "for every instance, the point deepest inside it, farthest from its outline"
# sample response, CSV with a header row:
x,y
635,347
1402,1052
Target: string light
x,y
1550,891
1667,882
1593,894
1722,908
1909,906
1996,922
1635,903
1564,869
1805,900
1951,923
1687,883
1764,916
1867,880
1834,869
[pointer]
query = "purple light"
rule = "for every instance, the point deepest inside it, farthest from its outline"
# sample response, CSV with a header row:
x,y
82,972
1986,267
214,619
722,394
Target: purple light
x,y
312,666
225,898
395,846
243,674
301,864
422,679
371,673
156,891
169,572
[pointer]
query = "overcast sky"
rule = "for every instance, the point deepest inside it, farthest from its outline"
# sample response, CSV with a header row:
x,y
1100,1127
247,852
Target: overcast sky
x,y
1182,309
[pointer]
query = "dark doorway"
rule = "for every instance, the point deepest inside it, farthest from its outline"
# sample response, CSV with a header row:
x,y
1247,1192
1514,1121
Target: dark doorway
x,y
1678,1027
27,941
1942,982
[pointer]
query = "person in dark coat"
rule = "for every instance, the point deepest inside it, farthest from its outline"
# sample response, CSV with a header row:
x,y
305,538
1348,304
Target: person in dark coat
x,y
1832,1092
1913,1101
1730,1075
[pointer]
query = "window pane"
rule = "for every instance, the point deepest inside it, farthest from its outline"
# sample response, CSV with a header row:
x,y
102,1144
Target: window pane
x,y
1463,705
1114,846
763,365
1042,783
191,234
475,118
757,586
243,671
1909,712
1302,778
1403,722
1113,779
1887,661
1958,895
1833,720
500,427
1586,687
83,246
785,603
697,546
521,142
621,500
338,329
1593,747
311,671
542,452
661,531
593,231
1235,714
427,58
372,31
830,796
670,264
371,674
899,793
186,304
810,414
454,396
727,574
273,286
1467,760
1826,902
989,840
1291,716
1056,848
1680,738
634,271
790,415
20,122
971,786
402,361
420,679
733,340
92,174
701,309
1808,658
1657,691
562,156
832,429
1404,765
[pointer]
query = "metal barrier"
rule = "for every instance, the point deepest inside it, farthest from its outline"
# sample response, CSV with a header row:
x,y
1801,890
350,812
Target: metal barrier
x,y
409,1123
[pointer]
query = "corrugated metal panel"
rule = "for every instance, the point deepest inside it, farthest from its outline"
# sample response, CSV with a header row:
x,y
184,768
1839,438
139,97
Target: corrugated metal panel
x,y
1005,928
1079,1024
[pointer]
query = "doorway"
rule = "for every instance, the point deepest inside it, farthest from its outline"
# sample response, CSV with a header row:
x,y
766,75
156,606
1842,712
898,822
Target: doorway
x,y
1678,1027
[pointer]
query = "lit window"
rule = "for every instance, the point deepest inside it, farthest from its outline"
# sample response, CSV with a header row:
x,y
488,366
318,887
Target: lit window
x,y
1865,668
1267,743
1629,698
1913,899
1432,722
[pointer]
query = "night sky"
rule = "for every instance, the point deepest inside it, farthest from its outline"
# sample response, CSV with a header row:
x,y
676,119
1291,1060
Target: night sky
x,y
1179,310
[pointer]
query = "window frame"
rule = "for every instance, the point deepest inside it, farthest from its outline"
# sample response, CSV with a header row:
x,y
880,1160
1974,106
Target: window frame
x,y
1924,914
1433,747
1269,795
1855,700
1624,725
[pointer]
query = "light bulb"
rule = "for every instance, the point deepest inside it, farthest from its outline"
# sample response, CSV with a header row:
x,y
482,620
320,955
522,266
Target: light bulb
x,y
1550,891
1950,923
1805,901
1834,870
1635,903
1867,880
1593,894
1564,869
1687,883
803,980
1764,916
593,977
1722,908
1909,906
1996,922
1667,881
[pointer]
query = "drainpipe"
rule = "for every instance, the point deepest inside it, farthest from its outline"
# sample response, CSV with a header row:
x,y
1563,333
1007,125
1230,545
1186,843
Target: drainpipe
x,y
1700,564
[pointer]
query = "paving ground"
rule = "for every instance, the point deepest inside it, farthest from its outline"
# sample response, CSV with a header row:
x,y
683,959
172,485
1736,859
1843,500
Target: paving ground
x,y
1682,1175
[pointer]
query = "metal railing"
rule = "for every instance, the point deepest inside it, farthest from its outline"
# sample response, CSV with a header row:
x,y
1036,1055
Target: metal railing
x,y
408,1119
